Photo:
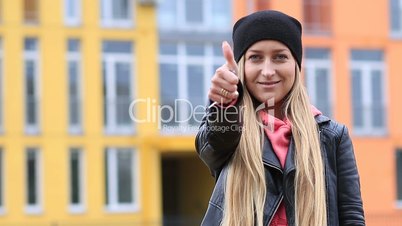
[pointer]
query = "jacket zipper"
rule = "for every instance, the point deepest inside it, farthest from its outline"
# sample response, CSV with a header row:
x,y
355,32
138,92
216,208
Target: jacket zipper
x,y
276,209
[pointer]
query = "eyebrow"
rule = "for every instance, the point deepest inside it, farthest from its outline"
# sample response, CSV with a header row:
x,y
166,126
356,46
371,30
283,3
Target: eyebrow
x,y
275,50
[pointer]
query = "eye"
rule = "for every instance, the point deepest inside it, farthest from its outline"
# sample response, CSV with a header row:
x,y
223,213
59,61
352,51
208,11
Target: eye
x,y
281,57
254,58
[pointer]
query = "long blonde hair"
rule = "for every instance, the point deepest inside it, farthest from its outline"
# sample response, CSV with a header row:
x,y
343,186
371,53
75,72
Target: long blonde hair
x,y
245,190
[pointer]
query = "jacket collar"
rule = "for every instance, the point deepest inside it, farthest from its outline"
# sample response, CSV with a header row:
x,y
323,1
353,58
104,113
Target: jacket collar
x,y
269,157
321,119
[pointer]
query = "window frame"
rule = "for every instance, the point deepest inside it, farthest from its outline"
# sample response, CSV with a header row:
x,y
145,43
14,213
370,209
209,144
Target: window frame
x,y
33,56
107,19
109,60
34,21
81,207
75,57
317,26
366,67
111,170
37,208
311,66
205,25
396,33
182,60
76,20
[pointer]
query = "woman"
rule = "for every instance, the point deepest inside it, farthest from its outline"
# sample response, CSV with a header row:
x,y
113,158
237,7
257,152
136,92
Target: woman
x,y
276,159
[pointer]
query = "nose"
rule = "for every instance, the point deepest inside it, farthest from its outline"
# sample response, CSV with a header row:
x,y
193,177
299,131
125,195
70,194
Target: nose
x,y
268,69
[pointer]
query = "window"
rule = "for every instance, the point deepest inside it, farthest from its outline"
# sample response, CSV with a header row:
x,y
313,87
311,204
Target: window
x,y
117,86
318,79
74,87
72,12
195,14
31,63
33,181
185,71
1,86
1,181
396,17
76,185
317,16
31,11
368,92
399,177
121,178
117,13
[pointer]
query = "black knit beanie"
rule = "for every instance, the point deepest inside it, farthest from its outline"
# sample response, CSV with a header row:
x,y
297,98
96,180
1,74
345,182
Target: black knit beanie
x,y
268,24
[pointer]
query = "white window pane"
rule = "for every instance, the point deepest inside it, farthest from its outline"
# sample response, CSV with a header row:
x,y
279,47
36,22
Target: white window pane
x,y
195,49
31,176
71,8
30,92
123,97
377,99
30,44
195,90
117,13
357,98
167,14
169,92
194,11
117,47
74,96
315,53
117,86
106,100
75,174
322,93
217,49
121,9
125,176
120,179
367,55
399,173
168,49
396,15
221,14
73,45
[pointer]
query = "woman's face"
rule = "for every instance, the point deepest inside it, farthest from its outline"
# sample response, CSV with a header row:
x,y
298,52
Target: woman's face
x,y
269,71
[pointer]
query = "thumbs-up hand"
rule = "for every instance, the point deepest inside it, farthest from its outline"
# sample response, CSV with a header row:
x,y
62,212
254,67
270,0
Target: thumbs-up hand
x,y
224,82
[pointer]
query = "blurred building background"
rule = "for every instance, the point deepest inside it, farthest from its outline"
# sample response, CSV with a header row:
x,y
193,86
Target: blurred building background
x,y
97,96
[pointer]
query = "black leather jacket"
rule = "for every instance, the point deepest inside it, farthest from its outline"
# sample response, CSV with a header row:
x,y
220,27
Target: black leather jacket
x,y
217,140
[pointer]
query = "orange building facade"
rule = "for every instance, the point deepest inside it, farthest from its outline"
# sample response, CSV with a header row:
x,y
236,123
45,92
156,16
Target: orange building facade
x,y
352,67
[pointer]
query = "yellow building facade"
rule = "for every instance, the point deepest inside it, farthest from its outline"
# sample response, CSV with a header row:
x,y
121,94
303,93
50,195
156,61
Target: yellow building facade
x,y
87,86
70,154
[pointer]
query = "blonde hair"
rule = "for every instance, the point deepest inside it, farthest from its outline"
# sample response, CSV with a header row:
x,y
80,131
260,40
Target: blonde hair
x,y
245,190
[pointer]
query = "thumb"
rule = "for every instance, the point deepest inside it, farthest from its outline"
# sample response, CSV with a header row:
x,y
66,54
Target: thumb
x,y
228,54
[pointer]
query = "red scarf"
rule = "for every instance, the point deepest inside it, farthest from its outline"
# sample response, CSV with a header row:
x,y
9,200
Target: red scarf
x,y
279,133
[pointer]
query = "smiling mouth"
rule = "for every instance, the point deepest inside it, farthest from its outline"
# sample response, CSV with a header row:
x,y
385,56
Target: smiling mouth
x,y
269,83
